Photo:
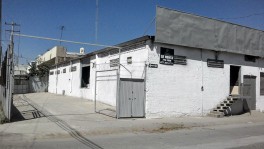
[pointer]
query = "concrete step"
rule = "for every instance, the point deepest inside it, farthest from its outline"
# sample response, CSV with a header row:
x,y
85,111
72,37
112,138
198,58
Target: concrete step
x,y
233,98
222,107
215,112
216,115
228,101
218,110
226,104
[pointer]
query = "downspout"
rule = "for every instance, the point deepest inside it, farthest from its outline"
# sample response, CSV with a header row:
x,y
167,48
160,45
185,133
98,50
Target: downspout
x,y
118,84
71,76
56,77
202,86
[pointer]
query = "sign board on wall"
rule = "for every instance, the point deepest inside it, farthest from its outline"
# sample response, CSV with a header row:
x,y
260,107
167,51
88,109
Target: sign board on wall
x,y
166,56
153,65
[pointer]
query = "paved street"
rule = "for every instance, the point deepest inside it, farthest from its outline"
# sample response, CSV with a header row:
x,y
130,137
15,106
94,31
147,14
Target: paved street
x,y
228,136
46,120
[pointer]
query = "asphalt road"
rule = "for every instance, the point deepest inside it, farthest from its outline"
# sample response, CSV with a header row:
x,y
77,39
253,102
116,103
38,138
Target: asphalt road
x,y
249,135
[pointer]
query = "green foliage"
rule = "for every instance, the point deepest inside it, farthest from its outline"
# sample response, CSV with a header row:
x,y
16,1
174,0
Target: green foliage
x,y
38,70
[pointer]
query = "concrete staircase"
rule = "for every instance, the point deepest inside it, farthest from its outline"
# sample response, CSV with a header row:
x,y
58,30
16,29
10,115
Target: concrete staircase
x,y
218,112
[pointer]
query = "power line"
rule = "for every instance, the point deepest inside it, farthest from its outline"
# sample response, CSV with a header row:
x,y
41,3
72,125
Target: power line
x,y
149,26
75,42
247,16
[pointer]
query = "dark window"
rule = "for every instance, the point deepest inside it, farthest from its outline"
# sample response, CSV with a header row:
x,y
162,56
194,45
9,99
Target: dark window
x,y
85,76
58,71
64,70
129,60
166,56
74,68
51,72
114,62
262,83
250,58
215,63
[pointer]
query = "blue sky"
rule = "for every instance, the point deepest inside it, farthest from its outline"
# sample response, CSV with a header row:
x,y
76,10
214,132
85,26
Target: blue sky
x,y
118,21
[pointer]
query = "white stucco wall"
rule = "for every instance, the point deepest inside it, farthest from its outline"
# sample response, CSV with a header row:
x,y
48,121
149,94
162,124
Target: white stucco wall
x,y
70,82
171,90
105,90
176,90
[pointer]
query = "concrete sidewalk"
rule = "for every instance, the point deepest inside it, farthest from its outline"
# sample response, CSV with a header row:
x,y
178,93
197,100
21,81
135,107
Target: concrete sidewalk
x,y
45,115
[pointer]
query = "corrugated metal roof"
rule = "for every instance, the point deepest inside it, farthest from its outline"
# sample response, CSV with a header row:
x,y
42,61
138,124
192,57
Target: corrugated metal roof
x,y
122,45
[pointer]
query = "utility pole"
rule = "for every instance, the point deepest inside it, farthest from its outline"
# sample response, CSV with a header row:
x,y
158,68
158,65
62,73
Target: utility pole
x,y
12,31
10,69
61,28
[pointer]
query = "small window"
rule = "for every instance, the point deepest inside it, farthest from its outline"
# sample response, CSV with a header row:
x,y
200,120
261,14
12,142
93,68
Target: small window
x,y
51,72
114,62
215,63
129,60
262,83
74,68
250,58
64,70
58,71
85,81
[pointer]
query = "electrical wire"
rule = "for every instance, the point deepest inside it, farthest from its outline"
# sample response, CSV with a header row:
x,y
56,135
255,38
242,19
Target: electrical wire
x,y
247,16
75,42
149,25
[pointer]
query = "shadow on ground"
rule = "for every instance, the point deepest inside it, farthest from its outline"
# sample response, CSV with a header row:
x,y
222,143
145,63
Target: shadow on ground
x,y
22,110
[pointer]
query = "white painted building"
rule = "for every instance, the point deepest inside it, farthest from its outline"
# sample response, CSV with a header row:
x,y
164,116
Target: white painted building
x,y
169,74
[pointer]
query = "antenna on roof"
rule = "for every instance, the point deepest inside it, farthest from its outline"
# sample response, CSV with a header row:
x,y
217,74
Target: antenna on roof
x,y
96,21
61,28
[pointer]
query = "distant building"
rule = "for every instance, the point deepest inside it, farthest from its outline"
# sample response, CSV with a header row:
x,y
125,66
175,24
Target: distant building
x,y
21,79
56,55
21,70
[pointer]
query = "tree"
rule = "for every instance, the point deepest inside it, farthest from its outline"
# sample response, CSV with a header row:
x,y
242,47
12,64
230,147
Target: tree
x,y
40,71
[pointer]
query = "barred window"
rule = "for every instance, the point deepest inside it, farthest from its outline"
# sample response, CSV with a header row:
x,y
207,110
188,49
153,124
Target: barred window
x,y
74,68
114,62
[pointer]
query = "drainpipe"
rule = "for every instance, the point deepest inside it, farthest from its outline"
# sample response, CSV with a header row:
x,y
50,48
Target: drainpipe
x,y
202,86
71,76
56,77
118,84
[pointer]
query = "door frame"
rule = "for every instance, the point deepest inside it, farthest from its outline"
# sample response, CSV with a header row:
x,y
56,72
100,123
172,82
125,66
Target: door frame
x,y
144,97
255,91
240,91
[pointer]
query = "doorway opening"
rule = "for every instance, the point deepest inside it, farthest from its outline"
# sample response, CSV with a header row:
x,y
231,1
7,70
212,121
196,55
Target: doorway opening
x,y
85,81
234,80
